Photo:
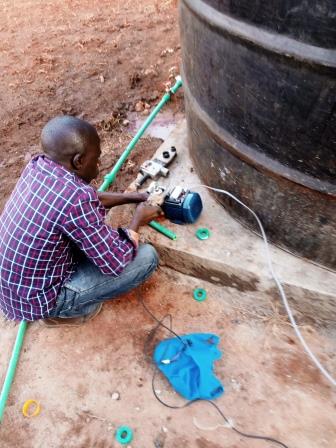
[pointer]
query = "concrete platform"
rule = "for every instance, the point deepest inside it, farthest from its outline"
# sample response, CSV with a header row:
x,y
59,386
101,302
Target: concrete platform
x,y
234,256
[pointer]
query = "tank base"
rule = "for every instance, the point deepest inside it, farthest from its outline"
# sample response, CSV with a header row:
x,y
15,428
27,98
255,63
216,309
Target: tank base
x,y
297,218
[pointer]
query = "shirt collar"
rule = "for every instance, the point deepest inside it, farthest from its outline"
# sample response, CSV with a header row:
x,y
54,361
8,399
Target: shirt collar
x,y
44,163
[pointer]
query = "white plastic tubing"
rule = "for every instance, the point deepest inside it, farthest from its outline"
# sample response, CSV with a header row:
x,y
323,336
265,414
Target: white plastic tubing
x,y
279,285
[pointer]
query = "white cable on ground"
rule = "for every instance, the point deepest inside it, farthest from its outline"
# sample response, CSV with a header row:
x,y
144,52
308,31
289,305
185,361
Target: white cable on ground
x,y
279,285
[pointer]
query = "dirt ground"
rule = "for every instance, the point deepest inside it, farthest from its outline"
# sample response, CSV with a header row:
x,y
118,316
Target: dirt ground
x,y
98,60
270,386
106,61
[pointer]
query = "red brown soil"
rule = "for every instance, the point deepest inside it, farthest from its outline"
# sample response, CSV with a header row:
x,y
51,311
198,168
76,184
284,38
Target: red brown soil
x,y
93,59
271,387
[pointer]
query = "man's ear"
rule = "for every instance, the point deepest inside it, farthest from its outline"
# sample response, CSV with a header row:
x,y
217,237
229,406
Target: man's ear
x,y
77,161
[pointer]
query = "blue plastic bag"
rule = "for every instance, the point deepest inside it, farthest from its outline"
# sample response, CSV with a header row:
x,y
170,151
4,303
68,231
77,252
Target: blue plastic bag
x,y
188,365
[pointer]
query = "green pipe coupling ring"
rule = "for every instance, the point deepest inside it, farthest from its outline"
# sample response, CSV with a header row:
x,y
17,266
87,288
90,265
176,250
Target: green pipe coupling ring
x,y
124,435
200,294
203,234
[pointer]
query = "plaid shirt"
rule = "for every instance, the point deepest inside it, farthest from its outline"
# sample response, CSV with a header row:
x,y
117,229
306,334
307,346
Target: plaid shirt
x,y
49,210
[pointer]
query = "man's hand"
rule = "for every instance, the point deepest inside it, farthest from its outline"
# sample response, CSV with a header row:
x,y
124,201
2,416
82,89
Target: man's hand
x,y
144,213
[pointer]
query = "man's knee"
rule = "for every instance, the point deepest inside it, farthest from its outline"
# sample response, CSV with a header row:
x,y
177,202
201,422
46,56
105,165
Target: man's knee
x,y
148,255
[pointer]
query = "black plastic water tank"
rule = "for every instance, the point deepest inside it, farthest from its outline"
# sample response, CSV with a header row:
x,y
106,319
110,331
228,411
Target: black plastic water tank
x,y
260,86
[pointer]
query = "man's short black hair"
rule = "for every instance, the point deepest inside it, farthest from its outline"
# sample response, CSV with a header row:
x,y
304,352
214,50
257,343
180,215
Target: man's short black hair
x,y
65,136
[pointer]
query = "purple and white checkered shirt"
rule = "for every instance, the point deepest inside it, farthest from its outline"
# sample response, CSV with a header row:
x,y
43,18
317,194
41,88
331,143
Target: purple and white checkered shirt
x,y
49,209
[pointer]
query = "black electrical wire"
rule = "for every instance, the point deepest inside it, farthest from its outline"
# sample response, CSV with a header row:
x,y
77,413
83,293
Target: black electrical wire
x,y
189,403
159,322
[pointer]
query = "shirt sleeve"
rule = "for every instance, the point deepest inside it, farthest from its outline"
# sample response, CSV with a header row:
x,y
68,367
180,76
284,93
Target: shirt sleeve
x,y
111,250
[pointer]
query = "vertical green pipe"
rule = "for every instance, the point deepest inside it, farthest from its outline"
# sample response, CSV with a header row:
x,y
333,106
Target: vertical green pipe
x,y
12,366
109,178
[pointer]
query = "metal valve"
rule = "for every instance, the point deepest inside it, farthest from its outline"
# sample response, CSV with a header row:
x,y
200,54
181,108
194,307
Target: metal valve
x,y
152,169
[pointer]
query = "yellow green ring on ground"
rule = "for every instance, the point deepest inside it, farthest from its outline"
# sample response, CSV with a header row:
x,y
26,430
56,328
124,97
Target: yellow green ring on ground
x,y
27,405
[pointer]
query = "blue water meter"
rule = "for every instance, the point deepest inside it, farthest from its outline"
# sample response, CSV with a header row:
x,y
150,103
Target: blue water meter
x,y
182,206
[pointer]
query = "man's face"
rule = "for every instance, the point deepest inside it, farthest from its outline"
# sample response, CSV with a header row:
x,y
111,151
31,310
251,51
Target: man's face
x,y
90,162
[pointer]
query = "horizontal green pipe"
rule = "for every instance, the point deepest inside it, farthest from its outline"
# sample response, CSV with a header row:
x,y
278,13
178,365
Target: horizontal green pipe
x,y
162,229
12,367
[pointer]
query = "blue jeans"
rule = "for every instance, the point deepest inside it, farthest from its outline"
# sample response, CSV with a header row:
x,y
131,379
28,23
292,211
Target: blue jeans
x,y
88,286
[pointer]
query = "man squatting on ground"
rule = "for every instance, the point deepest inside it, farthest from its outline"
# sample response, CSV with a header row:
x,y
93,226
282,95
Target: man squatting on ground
x,y
58,259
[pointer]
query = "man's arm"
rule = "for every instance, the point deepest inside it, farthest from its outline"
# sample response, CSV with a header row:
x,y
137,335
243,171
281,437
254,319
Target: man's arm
x,y
110,200
109,249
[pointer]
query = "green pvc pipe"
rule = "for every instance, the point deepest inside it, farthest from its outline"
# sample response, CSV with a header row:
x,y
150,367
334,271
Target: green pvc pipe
x,y
109,178
12,367
162,229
